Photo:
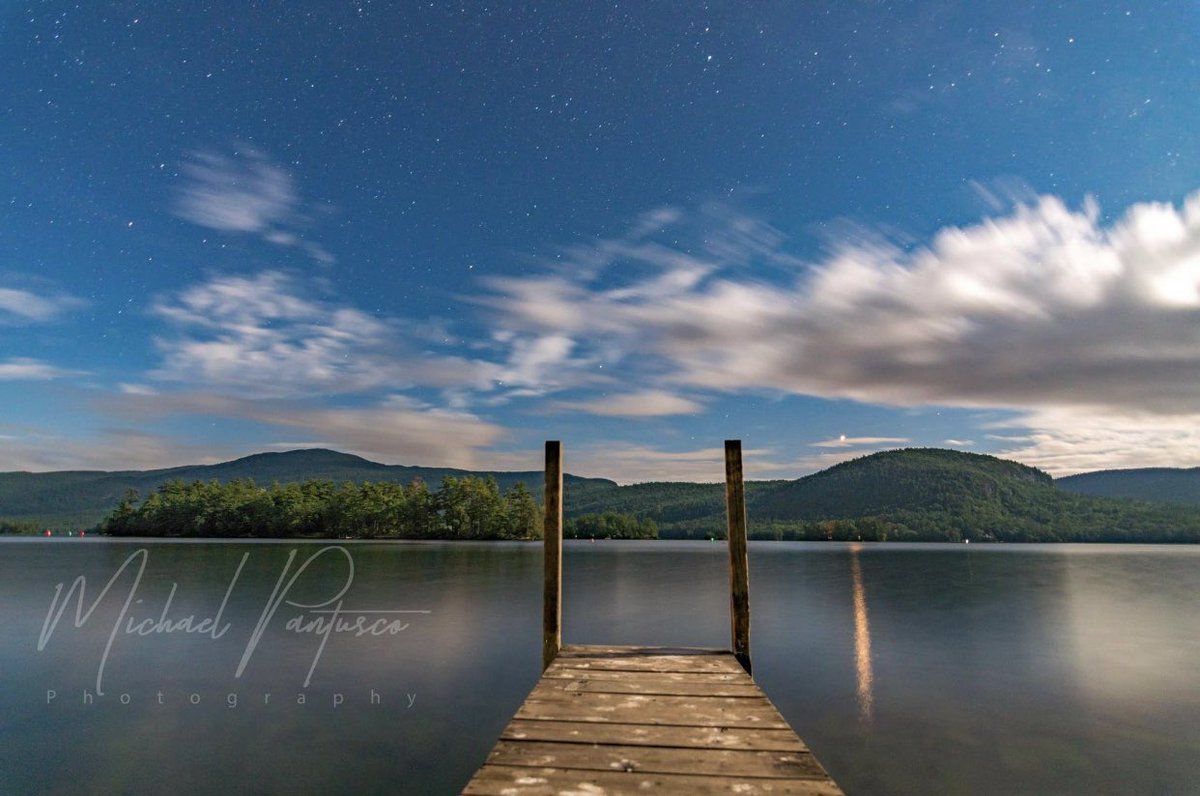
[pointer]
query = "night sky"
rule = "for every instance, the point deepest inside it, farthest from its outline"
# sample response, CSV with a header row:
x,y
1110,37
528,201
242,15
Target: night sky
x,y
440,234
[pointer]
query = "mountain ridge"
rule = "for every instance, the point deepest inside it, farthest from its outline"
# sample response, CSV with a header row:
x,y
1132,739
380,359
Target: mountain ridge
x,y
1159,484
910,493
67,499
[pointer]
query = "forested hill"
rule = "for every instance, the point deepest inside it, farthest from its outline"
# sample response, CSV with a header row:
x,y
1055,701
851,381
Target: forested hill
x,y
1163,484
81,498
913,494
905,480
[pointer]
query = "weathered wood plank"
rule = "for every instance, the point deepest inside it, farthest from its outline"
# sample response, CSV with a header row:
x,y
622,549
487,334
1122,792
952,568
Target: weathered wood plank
x,y
653,663
523,781
739,567
657,760
585,650
589,728
644,683
560,671
643,709
769,740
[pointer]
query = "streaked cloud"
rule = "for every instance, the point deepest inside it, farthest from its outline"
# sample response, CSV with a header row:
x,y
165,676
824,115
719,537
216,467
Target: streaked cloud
x,y
244,192
856,442
393,430
645,403
266,336
26,369
1044,309
629,463
136,389
26,306
107,449
1064,442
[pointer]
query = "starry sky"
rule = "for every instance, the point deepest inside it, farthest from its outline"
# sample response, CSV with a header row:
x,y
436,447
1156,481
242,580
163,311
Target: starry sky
x,y
439,234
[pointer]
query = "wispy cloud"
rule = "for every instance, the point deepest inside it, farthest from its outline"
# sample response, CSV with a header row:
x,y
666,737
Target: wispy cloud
x,y
857,442
108,449
395,429
629,463
264,336
17,305
1064,442
1043,308
644,403
26,369
245,192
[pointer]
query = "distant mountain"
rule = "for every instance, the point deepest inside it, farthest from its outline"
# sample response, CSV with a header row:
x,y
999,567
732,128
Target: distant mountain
x,y
914,494
921,479
81,498
1162,484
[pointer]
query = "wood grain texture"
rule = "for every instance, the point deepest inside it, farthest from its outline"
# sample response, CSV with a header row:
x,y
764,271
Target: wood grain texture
x,y
739,565
552,544
614,720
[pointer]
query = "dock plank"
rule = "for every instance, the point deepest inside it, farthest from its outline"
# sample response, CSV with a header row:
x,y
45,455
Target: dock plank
x,y
686,737
612,720
673,684
657,760
523,781
641,709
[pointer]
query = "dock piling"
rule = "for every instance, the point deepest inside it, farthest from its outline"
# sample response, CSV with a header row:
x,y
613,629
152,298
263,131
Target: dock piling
x,y
552,544
739,566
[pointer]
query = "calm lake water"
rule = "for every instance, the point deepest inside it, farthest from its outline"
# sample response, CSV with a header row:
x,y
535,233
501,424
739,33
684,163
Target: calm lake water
x,y
907,668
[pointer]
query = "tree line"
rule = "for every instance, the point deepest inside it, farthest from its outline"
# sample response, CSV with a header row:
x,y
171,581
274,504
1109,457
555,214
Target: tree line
x,y
460,508
20,527
609,525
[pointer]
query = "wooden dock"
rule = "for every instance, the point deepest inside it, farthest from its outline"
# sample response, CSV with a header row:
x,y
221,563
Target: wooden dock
x,y
616,720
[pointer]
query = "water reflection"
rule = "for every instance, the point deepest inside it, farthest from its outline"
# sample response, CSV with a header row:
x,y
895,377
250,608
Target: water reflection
x,y
862,640
1072,667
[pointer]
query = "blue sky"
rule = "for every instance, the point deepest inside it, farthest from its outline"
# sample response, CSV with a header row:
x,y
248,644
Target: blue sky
x,y
442,233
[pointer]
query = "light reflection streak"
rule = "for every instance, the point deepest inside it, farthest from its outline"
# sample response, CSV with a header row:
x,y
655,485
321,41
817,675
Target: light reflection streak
x,y
862,641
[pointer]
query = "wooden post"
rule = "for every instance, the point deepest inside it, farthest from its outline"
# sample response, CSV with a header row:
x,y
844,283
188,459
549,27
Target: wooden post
x,y
739,569
552,534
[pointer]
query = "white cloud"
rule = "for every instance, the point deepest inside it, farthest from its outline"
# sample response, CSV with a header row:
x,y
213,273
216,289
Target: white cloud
x,y
1064,442
857,442
630,463
110,449
24,305
26,369
1044,308
137,389
395,429
644,403
260,336
959,443
246,193
538,363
